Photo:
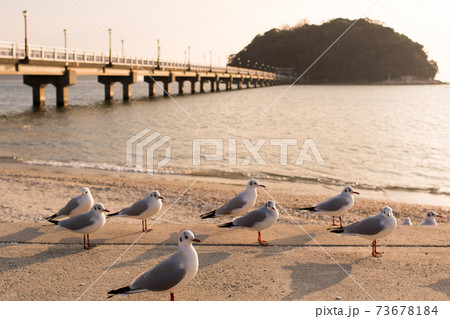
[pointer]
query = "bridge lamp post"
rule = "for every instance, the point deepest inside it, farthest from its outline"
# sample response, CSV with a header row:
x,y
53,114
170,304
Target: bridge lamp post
x,y
65,39
159,54
189,58
185,57
123,46
210,61
65,42
25,15
110,53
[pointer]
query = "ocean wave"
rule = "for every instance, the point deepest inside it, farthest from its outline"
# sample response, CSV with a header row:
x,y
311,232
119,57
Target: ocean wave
x,y
235,175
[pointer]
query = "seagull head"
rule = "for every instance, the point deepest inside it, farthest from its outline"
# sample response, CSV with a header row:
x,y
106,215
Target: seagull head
x,y
155,195
85,191
253,183
270,204
387,212
99,208
431,215
187,237
349,191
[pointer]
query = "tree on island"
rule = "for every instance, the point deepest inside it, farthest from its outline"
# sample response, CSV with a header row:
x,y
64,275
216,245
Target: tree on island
x,y
368,52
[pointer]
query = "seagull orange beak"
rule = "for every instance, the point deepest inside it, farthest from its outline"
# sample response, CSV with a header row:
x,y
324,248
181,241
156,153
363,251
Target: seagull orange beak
x,y
105,210
261,185
196,240
160,197
439,216
355,193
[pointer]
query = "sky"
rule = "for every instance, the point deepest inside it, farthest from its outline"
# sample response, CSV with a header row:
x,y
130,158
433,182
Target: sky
x,y
220,27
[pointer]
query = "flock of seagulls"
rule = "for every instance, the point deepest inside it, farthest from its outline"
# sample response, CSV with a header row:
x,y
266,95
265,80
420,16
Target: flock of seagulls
x,y
85,217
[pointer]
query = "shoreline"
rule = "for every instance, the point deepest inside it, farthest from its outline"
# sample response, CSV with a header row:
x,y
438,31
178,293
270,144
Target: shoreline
x,y
32,192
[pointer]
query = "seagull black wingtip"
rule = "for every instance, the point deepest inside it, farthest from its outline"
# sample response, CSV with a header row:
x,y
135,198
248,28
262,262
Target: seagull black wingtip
x,y
208,215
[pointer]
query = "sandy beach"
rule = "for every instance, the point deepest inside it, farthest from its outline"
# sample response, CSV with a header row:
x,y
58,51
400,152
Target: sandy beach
x,y
302,262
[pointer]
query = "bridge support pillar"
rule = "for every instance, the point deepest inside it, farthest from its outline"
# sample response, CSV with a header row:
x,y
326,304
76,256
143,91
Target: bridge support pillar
x,y
202,86
193,86
212,82
239,84
217,85
61,82
151,88
39,96
166,88
126,81
229,85
180,87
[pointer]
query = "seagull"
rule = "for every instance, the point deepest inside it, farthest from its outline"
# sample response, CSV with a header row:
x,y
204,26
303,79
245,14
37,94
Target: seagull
x,y
373,228
173,273
146,207
407,222
86,223
335,205
239,204
76,206
429,219
258,219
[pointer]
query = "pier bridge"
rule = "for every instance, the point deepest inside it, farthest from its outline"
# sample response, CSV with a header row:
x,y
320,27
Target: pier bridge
x,y
61,67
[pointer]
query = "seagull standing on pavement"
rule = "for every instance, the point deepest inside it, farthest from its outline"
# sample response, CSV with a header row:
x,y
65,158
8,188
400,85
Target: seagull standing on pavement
x,y
372,227
86,223
239,204
258,220
143,209
173,273
76,206
336,205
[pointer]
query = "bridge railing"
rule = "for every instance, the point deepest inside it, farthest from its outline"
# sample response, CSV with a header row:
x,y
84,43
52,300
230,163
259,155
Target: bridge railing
x,y
43,53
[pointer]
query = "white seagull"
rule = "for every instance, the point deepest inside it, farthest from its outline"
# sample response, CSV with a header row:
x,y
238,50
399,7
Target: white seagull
x,y
373,228
335,205
407,222
76,206
86,223
173,273
239,204
142,209
258,219
429,219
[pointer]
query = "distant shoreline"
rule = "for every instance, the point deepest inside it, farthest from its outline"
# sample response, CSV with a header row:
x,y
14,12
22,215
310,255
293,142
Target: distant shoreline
x,y
403,81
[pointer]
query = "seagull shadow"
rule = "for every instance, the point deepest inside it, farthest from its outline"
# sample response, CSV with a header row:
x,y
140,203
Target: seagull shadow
x,y
442,285
23,235
53,252
208,259
295,240
312,277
